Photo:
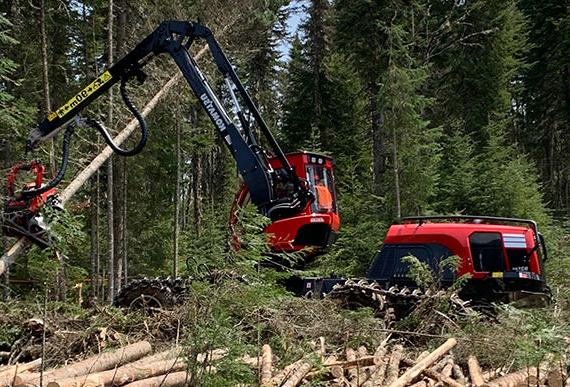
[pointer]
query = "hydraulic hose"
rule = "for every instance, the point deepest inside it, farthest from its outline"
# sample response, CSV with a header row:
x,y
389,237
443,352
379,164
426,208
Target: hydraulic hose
x,y
28,193
132,108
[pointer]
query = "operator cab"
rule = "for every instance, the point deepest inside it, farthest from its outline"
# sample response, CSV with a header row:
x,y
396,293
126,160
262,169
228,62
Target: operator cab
x,y
316,225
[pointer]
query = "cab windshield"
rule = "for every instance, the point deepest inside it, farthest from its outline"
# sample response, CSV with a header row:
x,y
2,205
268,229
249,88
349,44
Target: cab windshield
x,y
321,183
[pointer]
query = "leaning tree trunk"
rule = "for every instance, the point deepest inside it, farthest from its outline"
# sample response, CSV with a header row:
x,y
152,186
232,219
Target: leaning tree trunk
x,y
21,244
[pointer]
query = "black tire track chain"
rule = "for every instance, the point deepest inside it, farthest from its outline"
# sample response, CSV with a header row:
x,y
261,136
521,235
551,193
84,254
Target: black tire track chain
x,y
393,303
165,293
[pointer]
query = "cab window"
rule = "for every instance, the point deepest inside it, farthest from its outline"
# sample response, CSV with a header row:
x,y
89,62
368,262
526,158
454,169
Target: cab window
x,y
321,183
487,251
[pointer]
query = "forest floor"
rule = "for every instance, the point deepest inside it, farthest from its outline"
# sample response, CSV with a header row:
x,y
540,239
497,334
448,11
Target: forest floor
x,y
241,319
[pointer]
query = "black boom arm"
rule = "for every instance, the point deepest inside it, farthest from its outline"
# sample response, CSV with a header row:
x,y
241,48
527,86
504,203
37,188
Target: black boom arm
x,y
175,38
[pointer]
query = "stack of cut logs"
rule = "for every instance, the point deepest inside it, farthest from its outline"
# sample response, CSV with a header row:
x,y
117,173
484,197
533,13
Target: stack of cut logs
x,y
132,365
135,366
391,367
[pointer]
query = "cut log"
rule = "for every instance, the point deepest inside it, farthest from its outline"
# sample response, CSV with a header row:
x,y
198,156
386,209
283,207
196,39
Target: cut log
x,y
475,371
213,355
17,248
164,355
298,375
448,368
459,375
515,378
422,356
393,369
266,365
250,361
282,375
362,362
440,364
97,363
7,375
378,372
122,375
434,375
555,378
422,365
175,379
351,356
421,383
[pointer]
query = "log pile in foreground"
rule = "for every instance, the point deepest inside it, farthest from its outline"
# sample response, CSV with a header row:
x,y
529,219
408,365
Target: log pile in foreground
x,y
392,367
387,366
131,365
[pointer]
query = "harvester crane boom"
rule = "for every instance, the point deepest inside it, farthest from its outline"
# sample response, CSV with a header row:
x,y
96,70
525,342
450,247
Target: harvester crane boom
x,y
282,187
175,39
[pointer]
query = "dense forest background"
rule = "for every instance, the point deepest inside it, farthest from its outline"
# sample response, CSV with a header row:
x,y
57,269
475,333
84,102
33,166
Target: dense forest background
x,y
445,106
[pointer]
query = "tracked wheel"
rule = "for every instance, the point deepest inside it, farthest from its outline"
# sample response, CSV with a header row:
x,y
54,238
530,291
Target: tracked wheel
x,y
393,303
150,294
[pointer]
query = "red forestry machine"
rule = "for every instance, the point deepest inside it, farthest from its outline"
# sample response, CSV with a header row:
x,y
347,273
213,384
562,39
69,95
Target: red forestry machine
x,y
295,191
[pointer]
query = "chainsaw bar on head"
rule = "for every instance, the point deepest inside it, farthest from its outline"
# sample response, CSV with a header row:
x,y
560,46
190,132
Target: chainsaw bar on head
x,y
11,228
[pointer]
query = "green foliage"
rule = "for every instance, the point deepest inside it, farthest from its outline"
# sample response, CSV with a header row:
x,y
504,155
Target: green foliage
x,y
420,272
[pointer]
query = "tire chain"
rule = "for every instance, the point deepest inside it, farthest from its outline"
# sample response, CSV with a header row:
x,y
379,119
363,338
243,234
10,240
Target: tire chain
x,y
167,291
392,303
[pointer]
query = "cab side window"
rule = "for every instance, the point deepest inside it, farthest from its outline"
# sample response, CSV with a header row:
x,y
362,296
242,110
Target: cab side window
x,y
487,251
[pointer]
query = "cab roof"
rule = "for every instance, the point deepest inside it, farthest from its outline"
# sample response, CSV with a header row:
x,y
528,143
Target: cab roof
x,y
457,227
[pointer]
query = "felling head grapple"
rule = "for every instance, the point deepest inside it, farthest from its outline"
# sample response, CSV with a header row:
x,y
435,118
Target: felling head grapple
x,y
22,211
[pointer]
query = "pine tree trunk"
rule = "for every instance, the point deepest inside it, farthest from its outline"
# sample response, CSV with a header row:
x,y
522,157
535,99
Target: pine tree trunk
x,y
5,158
45,80
119,168
118,226
95,252
125,235
396,174
177,200
110,213
196,192
378,151
5,278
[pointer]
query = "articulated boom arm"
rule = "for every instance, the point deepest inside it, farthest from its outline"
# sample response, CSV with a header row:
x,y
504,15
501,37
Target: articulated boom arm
x,y
175,38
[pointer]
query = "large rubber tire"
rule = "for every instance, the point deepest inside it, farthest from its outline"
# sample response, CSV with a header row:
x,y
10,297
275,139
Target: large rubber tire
x,y
147,294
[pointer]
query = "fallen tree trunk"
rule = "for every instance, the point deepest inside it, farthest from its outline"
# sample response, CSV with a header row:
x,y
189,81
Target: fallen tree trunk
x,y
97,363
379,371
429,372
7,375
298,374
126,374
475,371
175,379
266,364
17,248
394,365
285,373
515,378
423,364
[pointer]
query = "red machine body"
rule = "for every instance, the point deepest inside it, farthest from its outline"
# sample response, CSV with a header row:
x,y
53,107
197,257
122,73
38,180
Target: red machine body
x,y
316,226
457,237
502,256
